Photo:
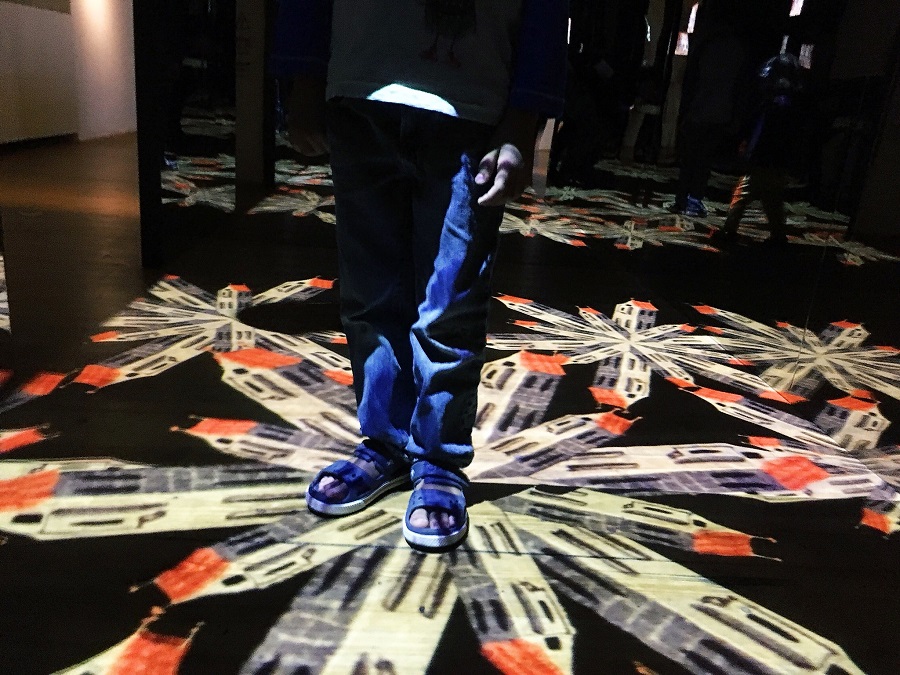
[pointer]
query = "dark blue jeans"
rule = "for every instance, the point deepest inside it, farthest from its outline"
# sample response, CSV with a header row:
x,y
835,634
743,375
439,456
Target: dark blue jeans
x,y
416,253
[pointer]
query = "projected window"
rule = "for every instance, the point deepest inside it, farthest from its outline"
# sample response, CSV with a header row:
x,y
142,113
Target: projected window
x,y
806,52
693,20
681,47
796,7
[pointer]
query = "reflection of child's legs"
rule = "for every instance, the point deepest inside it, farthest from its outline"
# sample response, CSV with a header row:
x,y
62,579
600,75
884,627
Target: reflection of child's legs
x,y
771,185
740,199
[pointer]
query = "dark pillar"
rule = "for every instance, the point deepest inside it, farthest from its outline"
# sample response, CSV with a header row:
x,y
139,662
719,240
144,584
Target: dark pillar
x,y
148,26
879,208
254,92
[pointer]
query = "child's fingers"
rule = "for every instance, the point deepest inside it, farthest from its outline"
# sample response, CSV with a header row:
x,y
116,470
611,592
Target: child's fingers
x,y
496,196
509,181
487,168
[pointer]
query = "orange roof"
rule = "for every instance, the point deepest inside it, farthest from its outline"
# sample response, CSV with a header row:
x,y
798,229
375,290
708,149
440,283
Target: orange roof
x,y
171,277
521,322
339,340
589,310
863,393
321,283
687,328
641,304
103,337
875,520
340,376
714,329
845,324
723,543
512,298
243,288
734,361
192,574
259,358
97,375
543,363
150,652
609,397
794,472
763,441
43,383
575,242
26,491
716,395
218,427
613,423
519,656
851,403
681,384
706,309
783,396
887,348
21,439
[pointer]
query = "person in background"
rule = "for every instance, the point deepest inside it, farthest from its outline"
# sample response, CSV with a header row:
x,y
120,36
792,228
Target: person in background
x,y
769,148
709,93
431,109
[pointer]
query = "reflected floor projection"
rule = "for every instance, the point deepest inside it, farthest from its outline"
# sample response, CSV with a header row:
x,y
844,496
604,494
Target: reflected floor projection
x,y
686,461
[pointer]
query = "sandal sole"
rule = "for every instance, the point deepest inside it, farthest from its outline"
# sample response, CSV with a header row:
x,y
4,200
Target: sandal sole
x,y
435,542
322,508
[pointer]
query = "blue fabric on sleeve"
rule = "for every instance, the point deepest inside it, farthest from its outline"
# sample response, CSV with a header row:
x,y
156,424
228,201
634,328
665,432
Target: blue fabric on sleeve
x,y
539,76
302,41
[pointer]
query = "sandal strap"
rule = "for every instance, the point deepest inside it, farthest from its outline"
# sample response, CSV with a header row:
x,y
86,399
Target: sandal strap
x,y
382,456
355,478
423,470
387,465
451,502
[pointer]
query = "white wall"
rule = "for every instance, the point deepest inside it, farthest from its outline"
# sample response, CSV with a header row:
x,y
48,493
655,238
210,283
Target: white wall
x,y
37,75
104,67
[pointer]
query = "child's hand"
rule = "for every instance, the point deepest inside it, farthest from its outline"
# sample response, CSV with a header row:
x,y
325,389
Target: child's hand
x,y
306,117
510,164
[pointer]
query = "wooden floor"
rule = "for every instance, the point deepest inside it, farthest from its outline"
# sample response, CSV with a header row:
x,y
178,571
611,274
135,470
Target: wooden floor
x,y
154,450
71,243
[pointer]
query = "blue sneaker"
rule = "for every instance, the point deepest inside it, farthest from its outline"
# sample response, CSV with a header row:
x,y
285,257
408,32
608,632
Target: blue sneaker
x,y
694,208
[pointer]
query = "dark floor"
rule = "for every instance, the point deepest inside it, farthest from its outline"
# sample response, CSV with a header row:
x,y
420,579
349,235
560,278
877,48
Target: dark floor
x,y
687,457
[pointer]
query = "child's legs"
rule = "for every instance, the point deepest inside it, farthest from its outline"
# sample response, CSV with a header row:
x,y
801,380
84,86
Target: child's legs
x,y
373,193
455,244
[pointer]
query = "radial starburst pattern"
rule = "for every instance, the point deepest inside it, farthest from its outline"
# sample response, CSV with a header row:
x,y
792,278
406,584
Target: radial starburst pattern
x,y
529,555
799,361
626,348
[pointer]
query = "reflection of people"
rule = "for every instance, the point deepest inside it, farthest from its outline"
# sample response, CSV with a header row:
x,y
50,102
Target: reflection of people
x,y
424,153
769,148
708,101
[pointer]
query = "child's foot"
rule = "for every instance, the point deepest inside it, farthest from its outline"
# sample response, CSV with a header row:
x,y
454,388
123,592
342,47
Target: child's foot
x,y
436,517
348,486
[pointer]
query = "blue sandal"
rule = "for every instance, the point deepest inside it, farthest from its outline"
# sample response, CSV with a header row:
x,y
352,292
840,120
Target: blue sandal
x,y
390,470
435,488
